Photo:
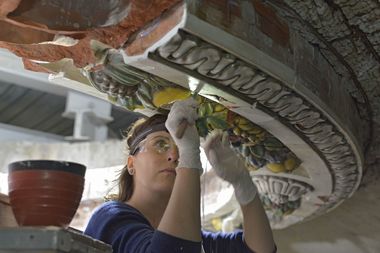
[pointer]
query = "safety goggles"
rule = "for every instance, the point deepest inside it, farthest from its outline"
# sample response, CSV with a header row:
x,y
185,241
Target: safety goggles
x,y
157,144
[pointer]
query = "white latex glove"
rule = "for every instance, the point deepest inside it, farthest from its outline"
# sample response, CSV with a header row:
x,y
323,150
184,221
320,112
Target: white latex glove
x,y
188,145
229,166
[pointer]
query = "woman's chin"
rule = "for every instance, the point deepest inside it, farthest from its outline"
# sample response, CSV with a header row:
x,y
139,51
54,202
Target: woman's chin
x,y
167,185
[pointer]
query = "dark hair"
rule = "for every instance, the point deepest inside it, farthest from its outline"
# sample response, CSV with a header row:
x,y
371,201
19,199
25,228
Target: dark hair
x,y
125,180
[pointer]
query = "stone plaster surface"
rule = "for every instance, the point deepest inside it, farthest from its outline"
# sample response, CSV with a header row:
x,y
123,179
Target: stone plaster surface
x,y
352,228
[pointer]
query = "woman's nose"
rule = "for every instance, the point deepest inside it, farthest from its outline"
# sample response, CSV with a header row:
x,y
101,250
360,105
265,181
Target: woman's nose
x,y
172,154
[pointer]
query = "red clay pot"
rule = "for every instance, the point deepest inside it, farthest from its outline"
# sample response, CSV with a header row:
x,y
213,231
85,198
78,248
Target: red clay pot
x,y
34,183
43,219
40,194
19,203
45,193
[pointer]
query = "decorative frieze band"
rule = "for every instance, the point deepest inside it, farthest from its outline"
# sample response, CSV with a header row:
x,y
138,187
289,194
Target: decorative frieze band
x,y
191,53
281,189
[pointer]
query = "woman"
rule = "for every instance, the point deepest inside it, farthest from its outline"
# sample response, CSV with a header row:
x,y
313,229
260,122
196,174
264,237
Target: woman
x,y
158,206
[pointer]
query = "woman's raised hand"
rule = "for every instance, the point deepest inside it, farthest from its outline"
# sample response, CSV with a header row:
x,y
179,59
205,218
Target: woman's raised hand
x,y
188,145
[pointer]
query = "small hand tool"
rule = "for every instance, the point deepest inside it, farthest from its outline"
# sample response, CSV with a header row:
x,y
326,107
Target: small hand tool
x,y
183,125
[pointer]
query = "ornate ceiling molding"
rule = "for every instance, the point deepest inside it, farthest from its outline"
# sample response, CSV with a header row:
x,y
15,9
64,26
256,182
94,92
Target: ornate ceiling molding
x,y
275,80
255,86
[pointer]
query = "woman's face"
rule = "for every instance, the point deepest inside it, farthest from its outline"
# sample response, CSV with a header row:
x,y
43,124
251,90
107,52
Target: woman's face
x,y
155,162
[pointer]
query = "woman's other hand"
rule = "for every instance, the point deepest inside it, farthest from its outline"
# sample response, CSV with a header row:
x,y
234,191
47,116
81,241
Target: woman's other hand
x,y
228,166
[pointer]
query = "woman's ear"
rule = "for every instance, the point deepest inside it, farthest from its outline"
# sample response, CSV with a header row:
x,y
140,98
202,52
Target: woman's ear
x,y
130,162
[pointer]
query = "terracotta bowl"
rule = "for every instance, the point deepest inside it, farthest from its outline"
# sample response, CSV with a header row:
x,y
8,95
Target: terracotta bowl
x,y
54,185
36,209
49,203
40,194
45,193
49,174
44,219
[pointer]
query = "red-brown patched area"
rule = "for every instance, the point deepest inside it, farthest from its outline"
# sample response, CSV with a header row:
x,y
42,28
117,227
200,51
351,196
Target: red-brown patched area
x,y
27,23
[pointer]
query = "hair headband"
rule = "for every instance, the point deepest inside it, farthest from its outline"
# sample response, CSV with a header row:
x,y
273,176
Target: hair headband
x,y
141,136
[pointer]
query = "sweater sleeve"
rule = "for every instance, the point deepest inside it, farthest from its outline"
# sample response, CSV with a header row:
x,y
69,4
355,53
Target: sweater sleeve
x,y
128,231
225,242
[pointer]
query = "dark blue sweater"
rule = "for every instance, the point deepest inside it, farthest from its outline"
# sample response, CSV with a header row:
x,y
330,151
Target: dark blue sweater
x,y
128,231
